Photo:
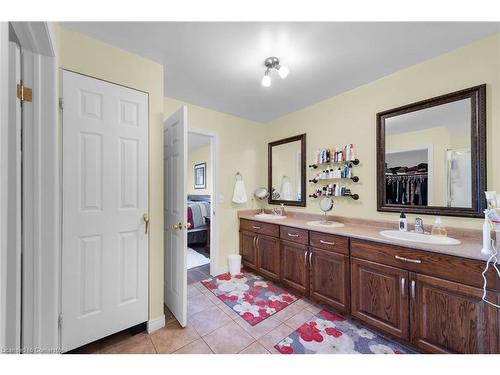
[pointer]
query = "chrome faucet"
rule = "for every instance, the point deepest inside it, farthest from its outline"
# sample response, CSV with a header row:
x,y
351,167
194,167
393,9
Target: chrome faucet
x,y
279,211
419,225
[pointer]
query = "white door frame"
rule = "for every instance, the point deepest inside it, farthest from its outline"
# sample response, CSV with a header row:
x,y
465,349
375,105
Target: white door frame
x,y
41,234
4,120
215,268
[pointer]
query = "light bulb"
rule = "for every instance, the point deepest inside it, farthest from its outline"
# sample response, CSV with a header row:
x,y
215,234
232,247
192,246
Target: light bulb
x,y
266,80
283,71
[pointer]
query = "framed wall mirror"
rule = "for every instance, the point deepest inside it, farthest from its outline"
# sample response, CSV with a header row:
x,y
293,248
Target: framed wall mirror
x,y
287,171
431,155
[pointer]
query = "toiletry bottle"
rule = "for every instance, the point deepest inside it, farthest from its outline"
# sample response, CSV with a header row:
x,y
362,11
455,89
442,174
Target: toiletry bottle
x,y
487,245
403,224
438,228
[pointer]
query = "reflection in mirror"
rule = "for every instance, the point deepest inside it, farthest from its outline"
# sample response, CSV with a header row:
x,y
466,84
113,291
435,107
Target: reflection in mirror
x,y
428,156
287,171
431,155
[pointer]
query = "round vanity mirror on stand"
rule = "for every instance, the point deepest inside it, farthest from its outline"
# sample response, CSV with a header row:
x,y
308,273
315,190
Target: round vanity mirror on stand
x,y
326,205
261,194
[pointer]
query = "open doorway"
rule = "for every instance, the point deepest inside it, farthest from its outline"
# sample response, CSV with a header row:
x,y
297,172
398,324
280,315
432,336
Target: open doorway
x,y
190,231
199,206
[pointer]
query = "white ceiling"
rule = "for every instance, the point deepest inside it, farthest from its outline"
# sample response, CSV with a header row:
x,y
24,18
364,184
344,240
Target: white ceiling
x,y
195,141
219,65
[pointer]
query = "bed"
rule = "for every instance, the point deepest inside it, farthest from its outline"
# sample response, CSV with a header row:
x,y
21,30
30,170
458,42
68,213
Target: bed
x,y
198,216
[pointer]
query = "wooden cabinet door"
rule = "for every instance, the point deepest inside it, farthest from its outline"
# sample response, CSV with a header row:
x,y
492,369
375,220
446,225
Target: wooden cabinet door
x,y
248,249
329,275
268,257
449,317
294,269
379,296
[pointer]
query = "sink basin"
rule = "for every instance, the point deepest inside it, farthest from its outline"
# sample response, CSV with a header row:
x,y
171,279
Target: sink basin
x,y
419,237
270,217
330,224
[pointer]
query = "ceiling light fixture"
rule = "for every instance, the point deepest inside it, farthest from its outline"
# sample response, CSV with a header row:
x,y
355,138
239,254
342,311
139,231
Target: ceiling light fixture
x,y
270,64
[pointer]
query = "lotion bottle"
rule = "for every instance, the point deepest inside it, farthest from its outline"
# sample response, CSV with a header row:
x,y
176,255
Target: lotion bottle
x,y
403,224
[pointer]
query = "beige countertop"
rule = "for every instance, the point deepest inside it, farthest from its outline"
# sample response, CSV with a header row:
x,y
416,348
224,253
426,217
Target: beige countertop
x,y
470,247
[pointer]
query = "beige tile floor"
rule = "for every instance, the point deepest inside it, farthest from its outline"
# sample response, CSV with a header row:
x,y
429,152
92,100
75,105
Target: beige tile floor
x,y
212,327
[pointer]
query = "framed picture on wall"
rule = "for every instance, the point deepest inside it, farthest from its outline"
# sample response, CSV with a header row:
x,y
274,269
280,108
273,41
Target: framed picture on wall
x,y
200,180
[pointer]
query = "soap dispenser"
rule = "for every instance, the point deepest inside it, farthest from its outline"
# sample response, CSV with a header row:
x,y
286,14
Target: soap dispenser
x,y
438,228
403,224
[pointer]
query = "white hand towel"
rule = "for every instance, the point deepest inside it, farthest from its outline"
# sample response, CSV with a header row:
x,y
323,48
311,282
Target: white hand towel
x,y
240,193
286,191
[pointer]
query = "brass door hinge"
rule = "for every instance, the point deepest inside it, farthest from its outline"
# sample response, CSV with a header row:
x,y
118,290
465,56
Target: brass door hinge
x,y
24,93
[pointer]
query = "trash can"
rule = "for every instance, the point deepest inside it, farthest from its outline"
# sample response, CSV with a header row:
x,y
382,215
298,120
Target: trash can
x,y
234,264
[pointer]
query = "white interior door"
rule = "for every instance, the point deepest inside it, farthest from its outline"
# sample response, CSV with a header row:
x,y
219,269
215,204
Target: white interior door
x,y
175,214
105,195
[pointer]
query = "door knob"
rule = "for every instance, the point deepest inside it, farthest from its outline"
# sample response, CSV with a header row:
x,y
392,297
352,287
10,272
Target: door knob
x,y
145,218
177,226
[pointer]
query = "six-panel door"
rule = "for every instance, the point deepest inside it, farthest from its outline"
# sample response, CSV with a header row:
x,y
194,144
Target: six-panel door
x,y
105,195
329,274
449,317
379,296
294,269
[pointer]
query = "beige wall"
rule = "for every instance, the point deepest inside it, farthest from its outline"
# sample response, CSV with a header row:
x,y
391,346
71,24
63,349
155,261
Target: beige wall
x,y
350,118
197,156
85,55
241,148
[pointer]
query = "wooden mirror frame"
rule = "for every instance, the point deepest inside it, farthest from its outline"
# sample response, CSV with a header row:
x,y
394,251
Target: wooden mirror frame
x,y
302,139
477,95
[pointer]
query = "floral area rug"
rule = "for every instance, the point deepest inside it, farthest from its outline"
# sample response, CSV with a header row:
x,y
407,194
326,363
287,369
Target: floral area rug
x,y
253,298
328,333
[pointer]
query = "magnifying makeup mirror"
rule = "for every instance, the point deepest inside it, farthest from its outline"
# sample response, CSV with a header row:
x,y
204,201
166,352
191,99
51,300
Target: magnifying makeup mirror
x,y
326,205
261,194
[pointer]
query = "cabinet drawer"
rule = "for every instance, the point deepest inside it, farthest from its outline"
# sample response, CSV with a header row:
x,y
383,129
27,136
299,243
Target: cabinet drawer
x,y
329,242
259,227
294,235
462,270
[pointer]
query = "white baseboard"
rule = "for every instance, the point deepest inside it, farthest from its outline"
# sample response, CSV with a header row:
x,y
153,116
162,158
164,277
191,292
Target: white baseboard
x,y
156,324
221,270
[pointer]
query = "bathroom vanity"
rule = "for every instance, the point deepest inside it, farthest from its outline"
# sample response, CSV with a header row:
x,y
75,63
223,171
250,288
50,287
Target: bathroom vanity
x,y
431,159
429,296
